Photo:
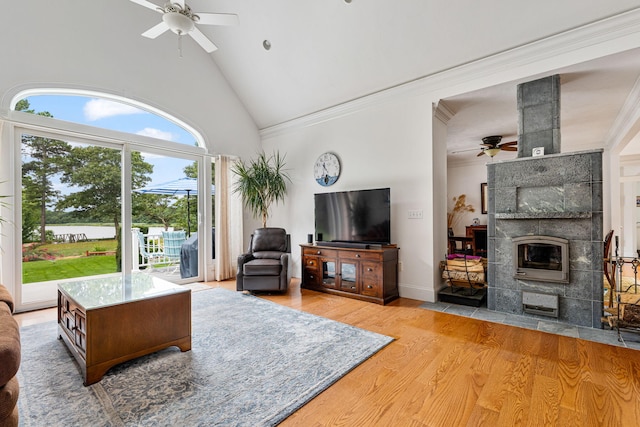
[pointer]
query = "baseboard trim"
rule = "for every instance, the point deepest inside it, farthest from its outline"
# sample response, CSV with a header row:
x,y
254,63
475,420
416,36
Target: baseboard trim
x,y
417,293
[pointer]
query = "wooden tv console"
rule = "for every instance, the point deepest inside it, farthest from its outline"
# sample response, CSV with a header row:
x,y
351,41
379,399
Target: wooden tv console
x,y
364,274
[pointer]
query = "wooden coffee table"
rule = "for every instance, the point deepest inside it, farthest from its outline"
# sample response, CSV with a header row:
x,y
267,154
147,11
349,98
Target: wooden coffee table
x,y
109,320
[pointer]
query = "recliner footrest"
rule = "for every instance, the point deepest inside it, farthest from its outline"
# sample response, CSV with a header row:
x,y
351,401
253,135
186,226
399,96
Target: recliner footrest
x,y
262,267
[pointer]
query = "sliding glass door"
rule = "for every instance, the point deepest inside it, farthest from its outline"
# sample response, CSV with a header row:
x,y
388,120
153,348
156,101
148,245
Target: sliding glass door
x,y
70,212
90,207
166,217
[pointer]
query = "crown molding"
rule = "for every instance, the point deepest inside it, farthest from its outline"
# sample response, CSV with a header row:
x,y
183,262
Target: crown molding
x,y
628,117
607,36
632,160
443,112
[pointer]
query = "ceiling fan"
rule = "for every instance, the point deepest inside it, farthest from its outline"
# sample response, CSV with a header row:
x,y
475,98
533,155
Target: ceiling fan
x,y
178,17
492,145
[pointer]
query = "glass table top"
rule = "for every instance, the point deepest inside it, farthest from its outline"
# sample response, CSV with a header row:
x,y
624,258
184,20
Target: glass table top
x,y
118,289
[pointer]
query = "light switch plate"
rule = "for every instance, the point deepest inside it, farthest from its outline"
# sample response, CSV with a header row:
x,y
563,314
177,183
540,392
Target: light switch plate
x,y
415,214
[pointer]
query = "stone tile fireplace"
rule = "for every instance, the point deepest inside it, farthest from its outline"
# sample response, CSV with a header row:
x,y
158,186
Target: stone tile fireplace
x,y
560,196
548,198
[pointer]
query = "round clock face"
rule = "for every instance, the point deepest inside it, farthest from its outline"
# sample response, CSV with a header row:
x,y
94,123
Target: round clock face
x,y
326,171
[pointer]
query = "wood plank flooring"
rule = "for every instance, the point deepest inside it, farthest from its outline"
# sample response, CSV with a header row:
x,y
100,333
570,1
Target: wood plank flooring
x,y
447,370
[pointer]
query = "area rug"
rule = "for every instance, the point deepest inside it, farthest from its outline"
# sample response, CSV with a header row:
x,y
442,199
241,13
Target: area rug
x,y
252,363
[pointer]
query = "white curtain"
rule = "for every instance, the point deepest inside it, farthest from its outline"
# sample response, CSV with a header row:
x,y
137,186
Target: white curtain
x,y
8,230
4,180
228,220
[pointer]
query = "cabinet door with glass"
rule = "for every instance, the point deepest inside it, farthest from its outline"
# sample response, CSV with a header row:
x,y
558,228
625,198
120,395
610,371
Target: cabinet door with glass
x,y
340,274
348,280
329,277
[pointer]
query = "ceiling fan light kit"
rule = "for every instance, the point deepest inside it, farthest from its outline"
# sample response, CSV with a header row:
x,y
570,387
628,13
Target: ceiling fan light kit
x,y
178,23
491,151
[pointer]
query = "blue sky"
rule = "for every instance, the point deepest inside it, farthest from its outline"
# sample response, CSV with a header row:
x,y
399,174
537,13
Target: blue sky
x,y
109,115
112,115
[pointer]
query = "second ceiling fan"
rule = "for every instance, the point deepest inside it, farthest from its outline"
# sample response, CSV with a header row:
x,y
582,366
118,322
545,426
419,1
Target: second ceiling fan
x,y
491,145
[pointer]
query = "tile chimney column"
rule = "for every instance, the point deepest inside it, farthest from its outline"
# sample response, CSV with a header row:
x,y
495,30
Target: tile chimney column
x,y
539,116
554,195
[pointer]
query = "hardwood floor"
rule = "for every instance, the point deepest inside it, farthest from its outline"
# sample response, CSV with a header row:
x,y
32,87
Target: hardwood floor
x,y
447,370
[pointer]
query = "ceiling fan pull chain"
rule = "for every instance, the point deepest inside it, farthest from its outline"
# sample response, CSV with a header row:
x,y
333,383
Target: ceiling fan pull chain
x,y
180,44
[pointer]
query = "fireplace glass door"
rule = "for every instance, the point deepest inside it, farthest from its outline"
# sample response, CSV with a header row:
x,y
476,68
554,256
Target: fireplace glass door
x,y
542,258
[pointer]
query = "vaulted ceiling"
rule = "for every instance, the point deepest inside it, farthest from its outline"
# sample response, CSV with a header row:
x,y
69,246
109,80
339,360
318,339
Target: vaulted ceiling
x,y
324,53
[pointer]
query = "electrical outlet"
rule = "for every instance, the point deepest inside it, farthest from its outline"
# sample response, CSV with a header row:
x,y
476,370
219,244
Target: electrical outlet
x,y
415,214
400,266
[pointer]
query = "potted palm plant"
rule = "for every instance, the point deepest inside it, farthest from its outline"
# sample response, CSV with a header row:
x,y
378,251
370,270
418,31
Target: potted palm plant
x,y
261,182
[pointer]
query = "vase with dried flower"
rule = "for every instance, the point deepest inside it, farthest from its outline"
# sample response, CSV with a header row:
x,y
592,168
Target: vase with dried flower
x,y
460,207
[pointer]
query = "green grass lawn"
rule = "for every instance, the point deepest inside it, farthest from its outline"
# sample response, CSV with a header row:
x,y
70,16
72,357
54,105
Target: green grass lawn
x,y
66,268
80,248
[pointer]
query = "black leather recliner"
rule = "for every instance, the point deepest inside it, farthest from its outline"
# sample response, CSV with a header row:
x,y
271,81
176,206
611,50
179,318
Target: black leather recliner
x,y
265,266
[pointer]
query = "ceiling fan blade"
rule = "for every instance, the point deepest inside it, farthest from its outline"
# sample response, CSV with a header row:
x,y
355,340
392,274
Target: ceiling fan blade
x,y
155,31
508,148
202,40
146,4
480,153
218,19
509,143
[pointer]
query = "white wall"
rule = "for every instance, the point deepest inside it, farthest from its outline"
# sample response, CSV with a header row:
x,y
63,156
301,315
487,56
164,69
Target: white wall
x,y
96,45
387,139
628,233
466,179
388,145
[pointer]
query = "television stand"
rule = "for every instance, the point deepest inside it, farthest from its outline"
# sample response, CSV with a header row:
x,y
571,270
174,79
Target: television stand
x,y
366,274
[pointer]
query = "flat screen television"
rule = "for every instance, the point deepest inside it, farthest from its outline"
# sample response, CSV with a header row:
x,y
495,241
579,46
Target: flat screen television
x,y
362,216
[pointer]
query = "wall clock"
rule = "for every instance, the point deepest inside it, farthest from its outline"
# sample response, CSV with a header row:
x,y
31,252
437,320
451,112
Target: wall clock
x,y
326,171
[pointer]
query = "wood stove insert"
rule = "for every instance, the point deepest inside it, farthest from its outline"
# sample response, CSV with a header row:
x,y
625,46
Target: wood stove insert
x,y
541,258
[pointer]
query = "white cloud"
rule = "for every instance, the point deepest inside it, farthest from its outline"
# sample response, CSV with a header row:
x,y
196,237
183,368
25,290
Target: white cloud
x,y
156,133
100,108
